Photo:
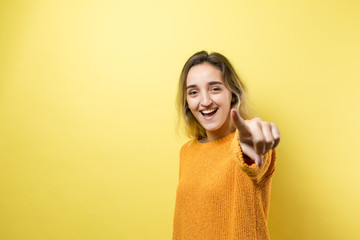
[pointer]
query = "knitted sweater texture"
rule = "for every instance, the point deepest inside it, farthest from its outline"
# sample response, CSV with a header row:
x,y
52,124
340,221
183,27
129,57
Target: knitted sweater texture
x,y
220,195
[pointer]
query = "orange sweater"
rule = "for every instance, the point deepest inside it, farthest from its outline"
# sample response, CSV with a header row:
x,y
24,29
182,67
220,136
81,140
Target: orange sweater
x,y
220,196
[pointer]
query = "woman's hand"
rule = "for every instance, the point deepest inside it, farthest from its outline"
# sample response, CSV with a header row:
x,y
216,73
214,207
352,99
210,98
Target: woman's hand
x,y
256,136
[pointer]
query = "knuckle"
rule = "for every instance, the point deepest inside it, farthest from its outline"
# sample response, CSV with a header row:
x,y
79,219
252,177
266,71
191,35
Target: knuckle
x,y
259,141
273,125
266,124
257,124
257,119
250,122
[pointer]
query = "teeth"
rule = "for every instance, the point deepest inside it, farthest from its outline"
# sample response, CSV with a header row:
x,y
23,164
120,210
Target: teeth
x,y
208,111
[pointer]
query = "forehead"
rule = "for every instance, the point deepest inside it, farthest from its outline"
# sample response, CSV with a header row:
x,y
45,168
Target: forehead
x,y
202,74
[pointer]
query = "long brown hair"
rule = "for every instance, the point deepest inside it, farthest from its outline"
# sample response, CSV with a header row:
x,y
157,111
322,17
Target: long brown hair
x,y
232,81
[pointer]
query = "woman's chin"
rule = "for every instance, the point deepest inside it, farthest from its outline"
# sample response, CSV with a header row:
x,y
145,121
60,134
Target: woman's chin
x,y
211,127
216,128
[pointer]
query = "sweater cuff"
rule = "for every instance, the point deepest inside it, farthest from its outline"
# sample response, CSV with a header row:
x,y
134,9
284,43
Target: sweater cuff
x,y
248,165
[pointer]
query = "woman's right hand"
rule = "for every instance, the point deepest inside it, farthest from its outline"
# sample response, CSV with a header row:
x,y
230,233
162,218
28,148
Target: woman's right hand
x,y
256,136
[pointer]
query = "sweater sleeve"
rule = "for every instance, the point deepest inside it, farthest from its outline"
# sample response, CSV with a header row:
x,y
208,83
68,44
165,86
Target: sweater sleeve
x,y
257,174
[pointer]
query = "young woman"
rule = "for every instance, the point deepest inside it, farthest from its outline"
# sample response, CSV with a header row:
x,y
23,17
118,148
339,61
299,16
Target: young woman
x,y
226,169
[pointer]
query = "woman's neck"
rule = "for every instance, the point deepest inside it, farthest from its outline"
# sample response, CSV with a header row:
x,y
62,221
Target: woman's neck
x,y
214,135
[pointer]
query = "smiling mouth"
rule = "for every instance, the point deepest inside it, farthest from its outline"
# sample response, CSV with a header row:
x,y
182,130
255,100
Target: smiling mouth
x,y
208,113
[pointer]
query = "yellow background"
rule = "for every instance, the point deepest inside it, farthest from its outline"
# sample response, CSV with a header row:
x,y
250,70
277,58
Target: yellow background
x,y
88,148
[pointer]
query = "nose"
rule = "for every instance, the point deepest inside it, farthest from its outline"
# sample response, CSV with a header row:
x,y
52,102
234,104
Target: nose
x,y
206,100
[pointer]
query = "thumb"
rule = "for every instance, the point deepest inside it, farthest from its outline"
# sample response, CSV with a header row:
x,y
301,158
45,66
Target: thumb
x,y
249,151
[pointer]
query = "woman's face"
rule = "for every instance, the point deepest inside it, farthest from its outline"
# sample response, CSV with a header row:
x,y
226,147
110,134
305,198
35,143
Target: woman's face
x,y
209,100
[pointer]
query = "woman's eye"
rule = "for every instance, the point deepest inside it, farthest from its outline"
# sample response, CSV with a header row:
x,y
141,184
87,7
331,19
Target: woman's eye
x,y
216,89
192,92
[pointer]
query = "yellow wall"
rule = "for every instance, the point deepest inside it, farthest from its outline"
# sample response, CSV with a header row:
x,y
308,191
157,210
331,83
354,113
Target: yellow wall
x,y
87,142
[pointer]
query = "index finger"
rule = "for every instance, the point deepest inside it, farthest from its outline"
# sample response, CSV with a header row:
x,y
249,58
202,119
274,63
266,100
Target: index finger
x,y
240,124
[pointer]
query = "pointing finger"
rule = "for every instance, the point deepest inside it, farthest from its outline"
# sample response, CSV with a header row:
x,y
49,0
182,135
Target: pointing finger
x,y
240,124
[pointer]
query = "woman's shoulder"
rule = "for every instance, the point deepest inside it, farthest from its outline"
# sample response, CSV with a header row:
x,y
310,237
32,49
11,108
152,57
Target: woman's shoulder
x,y
188,144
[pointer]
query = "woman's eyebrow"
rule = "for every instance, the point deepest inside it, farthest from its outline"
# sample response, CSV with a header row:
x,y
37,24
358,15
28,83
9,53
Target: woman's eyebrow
x,y
191,86
214,83
210,84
